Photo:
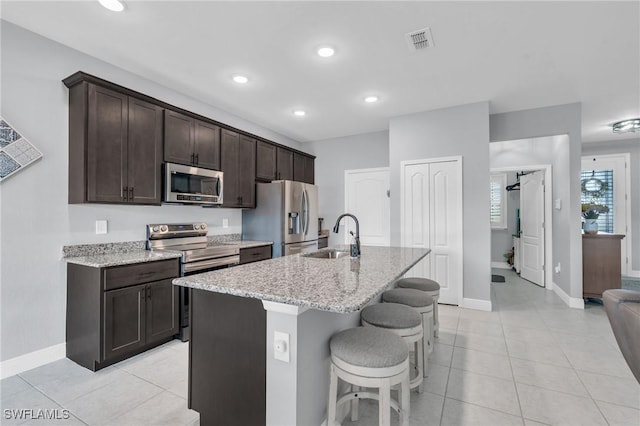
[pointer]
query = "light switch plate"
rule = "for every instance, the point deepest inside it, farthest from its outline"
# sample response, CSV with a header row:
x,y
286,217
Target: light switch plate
x,y
101,227
281,346
225,223
557,204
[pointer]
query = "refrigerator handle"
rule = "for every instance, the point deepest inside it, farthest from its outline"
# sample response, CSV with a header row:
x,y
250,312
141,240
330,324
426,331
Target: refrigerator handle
x,y
305,211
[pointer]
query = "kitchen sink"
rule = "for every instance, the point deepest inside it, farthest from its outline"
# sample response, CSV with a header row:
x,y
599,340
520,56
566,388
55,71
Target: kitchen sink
x,y
328,254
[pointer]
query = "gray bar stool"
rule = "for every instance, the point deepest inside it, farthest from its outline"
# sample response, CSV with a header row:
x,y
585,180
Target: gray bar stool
x,y
406,323
371,358
432,288
421,303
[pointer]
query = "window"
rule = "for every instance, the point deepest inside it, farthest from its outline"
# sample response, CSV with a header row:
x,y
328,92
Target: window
x,y
597,188
498,193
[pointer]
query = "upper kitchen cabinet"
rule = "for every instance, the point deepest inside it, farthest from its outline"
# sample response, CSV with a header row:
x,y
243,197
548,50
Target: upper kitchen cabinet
x,y
191,141
115,146
303,168
284,164
238,154
266,161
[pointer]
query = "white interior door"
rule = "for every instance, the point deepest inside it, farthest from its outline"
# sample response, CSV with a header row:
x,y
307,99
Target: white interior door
x,y
367,197
532,227
618,202
432,218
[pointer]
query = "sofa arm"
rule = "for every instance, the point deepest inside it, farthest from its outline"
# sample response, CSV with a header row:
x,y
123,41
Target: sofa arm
x,y
623,310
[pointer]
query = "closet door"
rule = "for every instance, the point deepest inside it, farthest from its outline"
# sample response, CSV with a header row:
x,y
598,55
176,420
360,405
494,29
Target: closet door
x,y
432,218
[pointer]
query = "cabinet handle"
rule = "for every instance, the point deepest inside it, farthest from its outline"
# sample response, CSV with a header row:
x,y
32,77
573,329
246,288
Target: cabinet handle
x,y
125,193
241,199
193,158
131,194
197,155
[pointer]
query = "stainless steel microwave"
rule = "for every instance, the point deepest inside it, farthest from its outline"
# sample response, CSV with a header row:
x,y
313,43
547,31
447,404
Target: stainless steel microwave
x,y
192,185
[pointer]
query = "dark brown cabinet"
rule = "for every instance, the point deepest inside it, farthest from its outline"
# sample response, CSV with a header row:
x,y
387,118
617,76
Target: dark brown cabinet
x,y
115,147
284,164
303,168
601,260
238,154
255,254
190,141
116,312
266,161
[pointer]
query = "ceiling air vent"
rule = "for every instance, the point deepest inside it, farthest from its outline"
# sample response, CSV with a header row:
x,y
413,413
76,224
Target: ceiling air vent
x,y
419,39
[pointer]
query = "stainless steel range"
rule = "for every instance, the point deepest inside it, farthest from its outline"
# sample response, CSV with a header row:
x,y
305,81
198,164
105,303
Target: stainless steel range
x,y
197,256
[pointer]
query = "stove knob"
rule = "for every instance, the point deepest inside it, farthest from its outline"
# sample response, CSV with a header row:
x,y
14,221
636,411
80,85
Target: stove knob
x,y
155,229
164,228
196,226
203,226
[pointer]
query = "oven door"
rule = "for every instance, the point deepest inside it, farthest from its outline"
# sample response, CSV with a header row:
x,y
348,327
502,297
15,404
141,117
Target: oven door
x,y
193,268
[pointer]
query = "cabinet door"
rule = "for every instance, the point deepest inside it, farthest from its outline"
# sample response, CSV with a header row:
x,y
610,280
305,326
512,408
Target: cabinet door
x,y
162,310
106,145
144,152
285,164
247,171
309,170
124,321
229,151
178,138
298,167
207,145
265,161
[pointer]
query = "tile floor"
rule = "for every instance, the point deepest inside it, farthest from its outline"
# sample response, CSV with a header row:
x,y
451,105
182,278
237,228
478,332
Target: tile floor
x,y
531,361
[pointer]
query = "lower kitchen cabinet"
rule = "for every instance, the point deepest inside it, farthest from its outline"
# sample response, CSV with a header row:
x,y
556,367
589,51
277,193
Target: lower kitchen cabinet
x,y
116,312
255,254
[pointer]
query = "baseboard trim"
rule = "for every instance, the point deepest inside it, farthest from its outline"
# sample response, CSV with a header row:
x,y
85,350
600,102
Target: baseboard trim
x,y
633,273
34,359
572,302
477,304
500,265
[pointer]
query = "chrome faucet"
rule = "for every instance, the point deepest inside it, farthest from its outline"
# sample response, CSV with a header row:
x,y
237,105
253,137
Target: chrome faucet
x,y
355,248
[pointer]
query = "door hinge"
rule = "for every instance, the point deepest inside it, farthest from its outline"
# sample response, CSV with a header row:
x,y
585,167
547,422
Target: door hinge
x,y
388,193
543,266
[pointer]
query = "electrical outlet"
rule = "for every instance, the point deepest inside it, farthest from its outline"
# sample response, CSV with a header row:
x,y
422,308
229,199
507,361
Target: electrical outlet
x,y
281,346
101,227
557,268
225,223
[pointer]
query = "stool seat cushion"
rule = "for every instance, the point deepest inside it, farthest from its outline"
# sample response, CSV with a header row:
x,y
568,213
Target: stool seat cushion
x,y
408,296
391,315
369,347
423,284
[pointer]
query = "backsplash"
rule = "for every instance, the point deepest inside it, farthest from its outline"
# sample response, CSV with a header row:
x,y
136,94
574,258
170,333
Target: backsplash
x,y
129,246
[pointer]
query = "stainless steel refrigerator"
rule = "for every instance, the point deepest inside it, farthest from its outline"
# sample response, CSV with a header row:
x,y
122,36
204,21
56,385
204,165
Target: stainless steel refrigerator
x,y
286,213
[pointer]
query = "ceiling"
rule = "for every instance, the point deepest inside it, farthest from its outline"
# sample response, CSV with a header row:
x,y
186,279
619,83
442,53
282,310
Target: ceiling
x,y
517,55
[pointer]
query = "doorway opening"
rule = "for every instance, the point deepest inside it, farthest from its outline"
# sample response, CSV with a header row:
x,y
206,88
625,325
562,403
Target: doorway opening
x,y
523,238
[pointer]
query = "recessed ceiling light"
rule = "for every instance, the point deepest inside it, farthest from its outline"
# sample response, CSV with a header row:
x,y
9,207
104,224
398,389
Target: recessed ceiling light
x,y
371,99
299,113
326,51
241,79
113,5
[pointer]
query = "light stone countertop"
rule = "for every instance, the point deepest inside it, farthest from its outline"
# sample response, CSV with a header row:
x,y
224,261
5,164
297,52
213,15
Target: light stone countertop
x,y
248,244
124,258
336,285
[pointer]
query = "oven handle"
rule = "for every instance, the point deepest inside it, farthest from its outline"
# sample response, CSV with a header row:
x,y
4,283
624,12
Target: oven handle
x,y
212,263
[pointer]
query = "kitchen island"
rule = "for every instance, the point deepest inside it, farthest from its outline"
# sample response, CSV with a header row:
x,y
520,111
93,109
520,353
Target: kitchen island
x,y
235,313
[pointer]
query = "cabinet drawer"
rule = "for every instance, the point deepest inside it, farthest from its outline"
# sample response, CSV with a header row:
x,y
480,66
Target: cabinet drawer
x,y
255,254
128,275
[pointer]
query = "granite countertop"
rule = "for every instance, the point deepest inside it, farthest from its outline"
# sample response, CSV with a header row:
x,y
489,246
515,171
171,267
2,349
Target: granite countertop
x,y
336,285
124,258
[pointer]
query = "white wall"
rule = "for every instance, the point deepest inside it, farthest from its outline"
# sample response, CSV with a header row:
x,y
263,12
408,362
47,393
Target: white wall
x,y
36,220
461,130
631,146
552,150
333,157
550,121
